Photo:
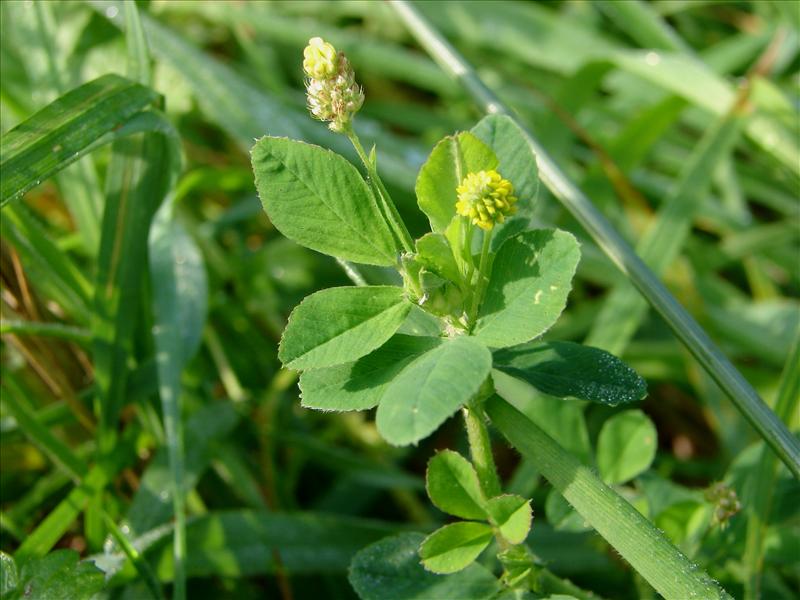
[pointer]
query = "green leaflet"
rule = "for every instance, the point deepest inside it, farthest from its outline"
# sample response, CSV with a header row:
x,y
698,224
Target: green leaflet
x,y
453,486
435,254
566,369
360,385
339,325
318,199
626,446
531,278
449,162
431,389
57,576
65,130
512,515
453,547
390,570
517,161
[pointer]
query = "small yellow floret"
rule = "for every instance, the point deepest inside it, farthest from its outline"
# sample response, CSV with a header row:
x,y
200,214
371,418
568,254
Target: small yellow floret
x,y
486,198
320,60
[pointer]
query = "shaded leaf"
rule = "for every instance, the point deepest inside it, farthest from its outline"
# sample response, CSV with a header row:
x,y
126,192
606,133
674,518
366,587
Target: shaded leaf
x,y
339,325
360,385
431,389
626,446
435,254
390,570
512,515
566,369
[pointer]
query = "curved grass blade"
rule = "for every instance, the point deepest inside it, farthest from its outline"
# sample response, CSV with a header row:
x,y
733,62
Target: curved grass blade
x,y
636,539
744,397
624,309
44,329
64,130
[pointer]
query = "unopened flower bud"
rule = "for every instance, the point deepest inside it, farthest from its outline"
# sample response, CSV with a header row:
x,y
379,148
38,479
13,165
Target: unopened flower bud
x,y
320,59
486,198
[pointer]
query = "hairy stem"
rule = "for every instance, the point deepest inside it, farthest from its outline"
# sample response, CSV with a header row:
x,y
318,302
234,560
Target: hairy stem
x,y
481,450
483,277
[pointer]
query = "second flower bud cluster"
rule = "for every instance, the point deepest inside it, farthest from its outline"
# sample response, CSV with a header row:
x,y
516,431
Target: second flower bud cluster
x,y
333,94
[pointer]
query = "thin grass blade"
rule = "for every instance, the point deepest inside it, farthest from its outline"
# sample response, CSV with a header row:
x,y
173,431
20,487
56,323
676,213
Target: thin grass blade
x,y
63,131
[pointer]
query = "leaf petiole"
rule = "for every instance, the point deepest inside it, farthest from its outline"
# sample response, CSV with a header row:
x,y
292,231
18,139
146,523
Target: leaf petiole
x,y
385,201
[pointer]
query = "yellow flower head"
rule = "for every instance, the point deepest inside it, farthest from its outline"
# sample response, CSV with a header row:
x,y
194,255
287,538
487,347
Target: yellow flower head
x,y
486,198
320,60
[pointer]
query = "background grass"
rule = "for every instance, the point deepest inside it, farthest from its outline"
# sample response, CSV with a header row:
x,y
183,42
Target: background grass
x,y
678,119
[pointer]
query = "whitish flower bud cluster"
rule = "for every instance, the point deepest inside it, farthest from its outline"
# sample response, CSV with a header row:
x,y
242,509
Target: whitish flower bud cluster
x,y
332,91
486,198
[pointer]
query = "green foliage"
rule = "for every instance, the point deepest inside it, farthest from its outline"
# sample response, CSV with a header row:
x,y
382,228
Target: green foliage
x,y
512,515
431,389
564,369
340,325
149,417
390,570
318,199
528,288
453,486
454,547
449,162
360,385
63,131
626,446
59,576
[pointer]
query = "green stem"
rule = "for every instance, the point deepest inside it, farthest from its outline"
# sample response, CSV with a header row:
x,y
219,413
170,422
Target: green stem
x,y
483,277
386,204
481,450
142,566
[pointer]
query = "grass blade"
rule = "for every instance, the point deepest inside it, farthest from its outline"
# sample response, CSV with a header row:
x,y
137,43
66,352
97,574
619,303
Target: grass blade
x,y
631,534
60,519
65,130
621,254
35,31
38,433
240,543
56,330
625,308
179,305
59,277
762,483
